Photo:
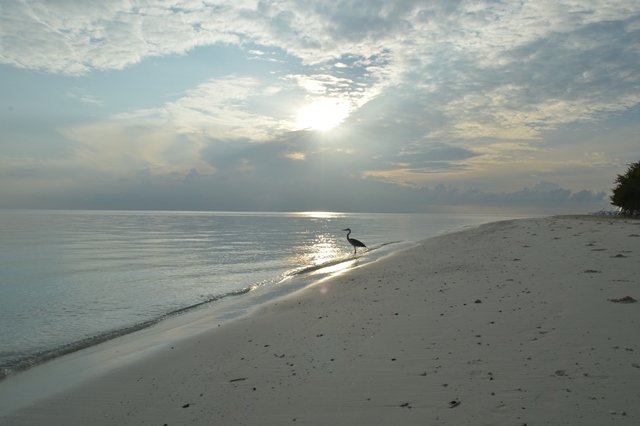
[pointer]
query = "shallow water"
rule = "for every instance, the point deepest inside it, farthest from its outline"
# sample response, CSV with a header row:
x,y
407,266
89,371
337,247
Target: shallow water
x,y
70,279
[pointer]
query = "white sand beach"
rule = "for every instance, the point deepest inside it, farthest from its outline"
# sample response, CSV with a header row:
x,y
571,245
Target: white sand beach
x,y
511,323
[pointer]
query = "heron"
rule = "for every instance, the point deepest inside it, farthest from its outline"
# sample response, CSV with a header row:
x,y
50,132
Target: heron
x,y
355,243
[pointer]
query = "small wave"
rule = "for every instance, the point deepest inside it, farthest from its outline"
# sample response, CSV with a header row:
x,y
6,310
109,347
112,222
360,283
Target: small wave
x,y
22,362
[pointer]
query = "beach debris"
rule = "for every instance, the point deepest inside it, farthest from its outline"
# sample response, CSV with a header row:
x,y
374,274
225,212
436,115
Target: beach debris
x,y
619,256
185,406
237,380
478,301
633,364
560,373
592,271
406,405
625,299
454,403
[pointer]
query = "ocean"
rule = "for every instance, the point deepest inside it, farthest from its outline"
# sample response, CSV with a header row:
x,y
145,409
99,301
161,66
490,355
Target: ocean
x,y
73,279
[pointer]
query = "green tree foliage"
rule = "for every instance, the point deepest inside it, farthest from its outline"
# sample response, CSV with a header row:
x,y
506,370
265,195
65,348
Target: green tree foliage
x,y
626,194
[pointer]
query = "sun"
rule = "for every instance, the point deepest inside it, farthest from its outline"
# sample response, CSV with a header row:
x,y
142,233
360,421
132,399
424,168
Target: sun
x,y
323,114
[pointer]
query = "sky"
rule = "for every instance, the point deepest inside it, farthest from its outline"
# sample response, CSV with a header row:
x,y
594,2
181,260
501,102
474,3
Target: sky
x,y
443,106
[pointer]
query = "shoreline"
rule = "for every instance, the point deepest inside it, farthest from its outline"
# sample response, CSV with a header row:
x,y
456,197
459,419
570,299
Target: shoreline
x,y
227,310
511,320
279,286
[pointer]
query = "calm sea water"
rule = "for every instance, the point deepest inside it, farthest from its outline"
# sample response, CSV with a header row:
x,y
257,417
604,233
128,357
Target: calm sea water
x,y
70,279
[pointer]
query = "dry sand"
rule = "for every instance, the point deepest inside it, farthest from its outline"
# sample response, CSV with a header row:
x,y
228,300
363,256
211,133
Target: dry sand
x,y
507,324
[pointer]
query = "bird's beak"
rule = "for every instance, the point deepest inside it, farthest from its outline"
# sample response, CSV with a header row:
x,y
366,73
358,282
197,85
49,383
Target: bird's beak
x,y
346,229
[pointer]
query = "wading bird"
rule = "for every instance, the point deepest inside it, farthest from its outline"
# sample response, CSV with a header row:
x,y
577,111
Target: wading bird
x,y
355,243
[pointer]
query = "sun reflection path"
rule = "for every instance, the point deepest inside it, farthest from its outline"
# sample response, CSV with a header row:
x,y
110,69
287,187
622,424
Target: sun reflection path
x,y
323,251
324,256
320,255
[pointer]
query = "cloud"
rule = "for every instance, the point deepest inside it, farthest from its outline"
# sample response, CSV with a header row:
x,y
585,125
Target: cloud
x,y
170,137
461,93
74,38
81,95
520,52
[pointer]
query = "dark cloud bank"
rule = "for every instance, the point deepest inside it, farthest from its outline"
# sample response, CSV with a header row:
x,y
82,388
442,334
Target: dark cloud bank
x,y
235,191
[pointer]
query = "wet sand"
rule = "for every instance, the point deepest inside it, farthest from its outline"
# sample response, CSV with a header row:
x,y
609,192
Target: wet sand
x,y
512,323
